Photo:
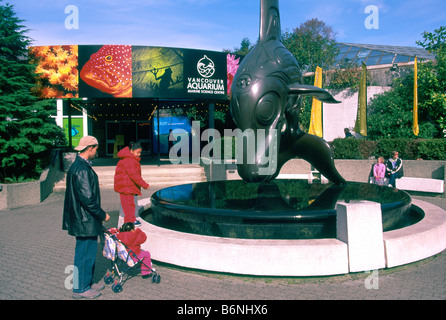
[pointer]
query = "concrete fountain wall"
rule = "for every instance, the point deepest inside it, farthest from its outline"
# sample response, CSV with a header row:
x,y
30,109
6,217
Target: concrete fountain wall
x,y
352,251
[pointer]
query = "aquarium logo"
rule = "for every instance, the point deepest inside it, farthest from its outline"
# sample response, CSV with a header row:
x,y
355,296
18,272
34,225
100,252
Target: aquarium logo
x,y
206,67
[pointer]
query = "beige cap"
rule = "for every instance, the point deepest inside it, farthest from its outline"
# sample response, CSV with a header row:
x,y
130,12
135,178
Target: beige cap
x,y
86,142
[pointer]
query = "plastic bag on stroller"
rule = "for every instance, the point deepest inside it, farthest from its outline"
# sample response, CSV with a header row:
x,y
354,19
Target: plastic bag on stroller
x,y
122,264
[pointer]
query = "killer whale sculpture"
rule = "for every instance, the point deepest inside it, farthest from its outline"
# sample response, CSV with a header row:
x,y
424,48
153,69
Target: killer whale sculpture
x,y
266,97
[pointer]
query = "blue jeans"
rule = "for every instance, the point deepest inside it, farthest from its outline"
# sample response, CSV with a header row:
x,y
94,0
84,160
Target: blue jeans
x,y
84,260
392,179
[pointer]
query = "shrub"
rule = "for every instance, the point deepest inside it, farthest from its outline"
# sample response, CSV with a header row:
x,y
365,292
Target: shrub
x,y
409,149
432,149
386,146
367,148
346,148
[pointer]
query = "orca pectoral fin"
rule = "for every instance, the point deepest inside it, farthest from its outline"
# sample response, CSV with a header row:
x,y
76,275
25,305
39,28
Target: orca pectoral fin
x,y
316,151
307,90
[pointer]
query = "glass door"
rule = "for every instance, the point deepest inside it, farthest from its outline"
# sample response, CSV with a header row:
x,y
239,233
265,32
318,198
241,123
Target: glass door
x,y
131,131
111,131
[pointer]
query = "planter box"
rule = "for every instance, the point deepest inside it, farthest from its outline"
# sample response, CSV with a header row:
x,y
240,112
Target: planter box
x,y
68,159
16,195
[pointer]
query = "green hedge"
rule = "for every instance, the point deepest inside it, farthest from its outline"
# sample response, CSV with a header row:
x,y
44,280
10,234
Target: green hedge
x,y
349,148
409,149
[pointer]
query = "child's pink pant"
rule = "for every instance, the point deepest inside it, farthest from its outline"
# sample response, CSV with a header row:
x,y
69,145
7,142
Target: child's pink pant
x,y
146,261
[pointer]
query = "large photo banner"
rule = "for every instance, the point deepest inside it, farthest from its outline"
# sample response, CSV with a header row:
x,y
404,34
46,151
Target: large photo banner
x,y
124,71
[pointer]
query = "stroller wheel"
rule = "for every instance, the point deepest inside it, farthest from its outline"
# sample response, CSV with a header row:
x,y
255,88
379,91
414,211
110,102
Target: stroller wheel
x,y
156,278
117,288
108,279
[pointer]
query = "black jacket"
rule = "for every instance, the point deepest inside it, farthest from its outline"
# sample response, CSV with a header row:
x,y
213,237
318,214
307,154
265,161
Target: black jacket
x,y
82,214
398,168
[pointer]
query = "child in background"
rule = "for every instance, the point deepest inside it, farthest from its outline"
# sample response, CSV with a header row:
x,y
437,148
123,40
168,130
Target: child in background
x,y
133,239
379,172
128,180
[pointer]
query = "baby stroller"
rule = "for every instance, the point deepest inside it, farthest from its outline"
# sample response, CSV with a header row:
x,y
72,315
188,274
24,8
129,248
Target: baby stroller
x,y
123,267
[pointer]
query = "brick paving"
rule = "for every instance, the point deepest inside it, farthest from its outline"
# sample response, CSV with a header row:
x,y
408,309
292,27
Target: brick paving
x,y
35,253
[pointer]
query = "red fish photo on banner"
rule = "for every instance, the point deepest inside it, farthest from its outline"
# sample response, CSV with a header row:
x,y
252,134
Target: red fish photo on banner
x,y
105,71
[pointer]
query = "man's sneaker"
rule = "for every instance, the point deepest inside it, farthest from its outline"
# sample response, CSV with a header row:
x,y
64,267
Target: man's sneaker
x,y
89,294
137,223
98,287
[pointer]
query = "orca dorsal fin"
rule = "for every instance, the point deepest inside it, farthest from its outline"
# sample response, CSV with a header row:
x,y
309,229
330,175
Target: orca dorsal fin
x,y
269,21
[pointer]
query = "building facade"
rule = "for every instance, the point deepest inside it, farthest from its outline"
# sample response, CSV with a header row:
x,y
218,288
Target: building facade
x,y
123,93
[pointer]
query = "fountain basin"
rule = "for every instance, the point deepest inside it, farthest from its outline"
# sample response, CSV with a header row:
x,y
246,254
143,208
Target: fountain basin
x,y
289,257
282,209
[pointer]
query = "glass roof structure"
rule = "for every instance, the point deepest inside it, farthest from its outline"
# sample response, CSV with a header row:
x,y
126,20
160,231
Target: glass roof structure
x,y
370,54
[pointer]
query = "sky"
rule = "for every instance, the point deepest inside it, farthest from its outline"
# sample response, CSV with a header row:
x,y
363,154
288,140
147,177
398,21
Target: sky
x,y
221,24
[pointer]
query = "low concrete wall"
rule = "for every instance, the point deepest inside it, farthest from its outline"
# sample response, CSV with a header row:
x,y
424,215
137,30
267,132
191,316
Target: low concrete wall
x,y
16,195
351,170
359,170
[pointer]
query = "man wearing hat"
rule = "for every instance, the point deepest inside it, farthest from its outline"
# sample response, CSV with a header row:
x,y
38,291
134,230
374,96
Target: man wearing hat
x,y
83,217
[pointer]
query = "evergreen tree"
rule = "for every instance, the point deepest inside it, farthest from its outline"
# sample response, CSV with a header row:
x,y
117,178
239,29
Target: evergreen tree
x,y
27,131
245,47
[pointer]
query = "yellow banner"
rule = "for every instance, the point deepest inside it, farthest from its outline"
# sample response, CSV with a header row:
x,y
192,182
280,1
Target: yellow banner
x,y
361,118
415,128
316,108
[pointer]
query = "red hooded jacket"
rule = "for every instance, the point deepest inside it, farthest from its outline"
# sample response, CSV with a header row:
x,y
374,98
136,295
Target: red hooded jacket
x,y
133,239
128,178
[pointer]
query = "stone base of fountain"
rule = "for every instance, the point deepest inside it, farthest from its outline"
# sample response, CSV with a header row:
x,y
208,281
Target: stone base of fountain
x,y
307,257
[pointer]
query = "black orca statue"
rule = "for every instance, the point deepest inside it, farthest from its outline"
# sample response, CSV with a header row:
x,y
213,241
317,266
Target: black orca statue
x,y
265,101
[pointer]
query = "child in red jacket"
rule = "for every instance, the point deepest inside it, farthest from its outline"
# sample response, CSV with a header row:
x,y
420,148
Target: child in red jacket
x,y
133,239
128,180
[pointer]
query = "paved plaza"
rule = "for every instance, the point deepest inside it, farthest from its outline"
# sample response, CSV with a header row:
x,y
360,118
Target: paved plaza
x,y
36,255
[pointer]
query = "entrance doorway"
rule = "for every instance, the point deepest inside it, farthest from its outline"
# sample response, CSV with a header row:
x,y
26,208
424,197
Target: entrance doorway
x,y
132,131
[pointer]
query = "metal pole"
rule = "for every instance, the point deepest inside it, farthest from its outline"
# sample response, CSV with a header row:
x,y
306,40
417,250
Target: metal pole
x,y
211,137
70,136
159,132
